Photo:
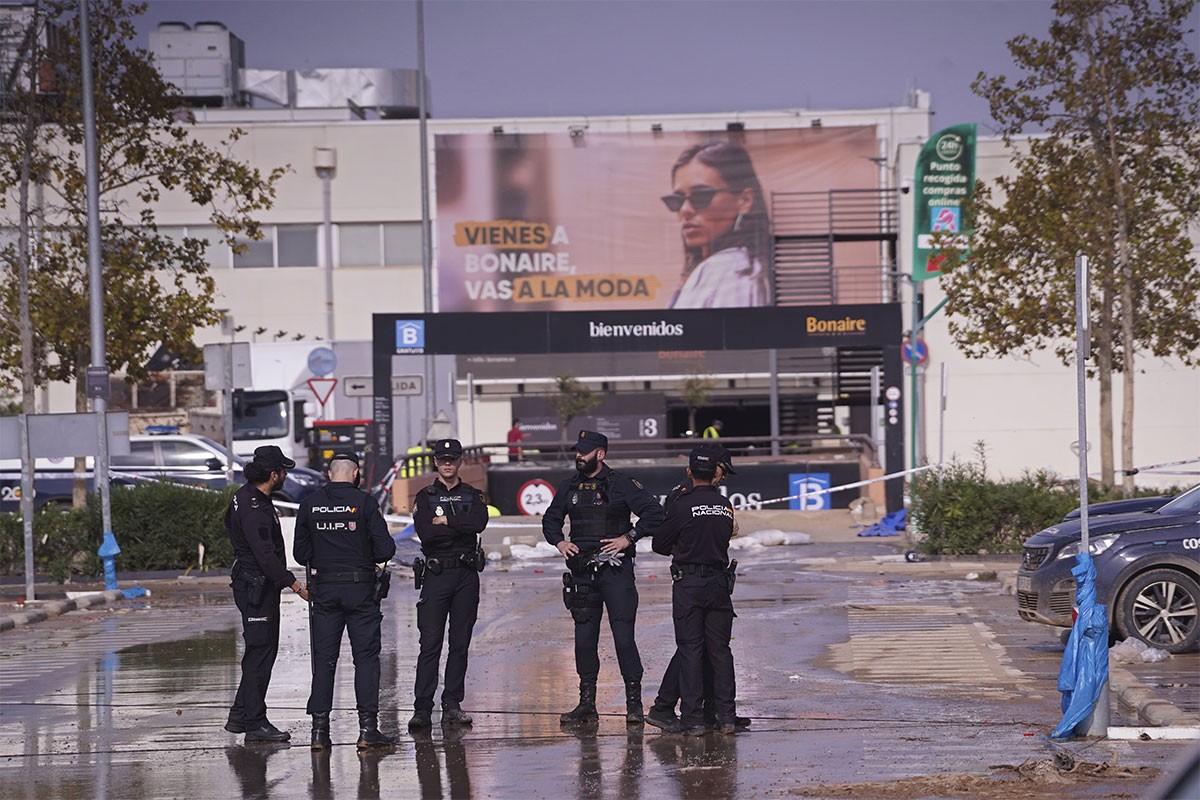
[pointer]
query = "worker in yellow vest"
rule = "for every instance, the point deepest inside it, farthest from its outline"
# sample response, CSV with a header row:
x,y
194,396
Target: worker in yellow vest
x,y
414,465
713,431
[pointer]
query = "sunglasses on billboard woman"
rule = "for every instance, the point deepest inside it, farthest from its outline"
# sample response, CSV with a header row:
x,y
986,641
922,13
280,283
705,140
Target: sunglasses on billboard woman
x,y
700,198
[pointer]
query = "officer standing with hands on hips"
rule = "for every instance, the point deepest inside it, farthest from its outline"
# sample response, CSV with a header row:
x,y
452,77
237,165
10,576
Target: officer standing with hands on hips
x,y
341,536
696,533
448,516
600,556
258,576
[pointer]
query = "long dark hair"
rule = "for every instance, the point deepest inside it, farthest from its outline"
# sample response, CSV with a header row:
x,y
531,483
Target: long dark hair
x,y
732,163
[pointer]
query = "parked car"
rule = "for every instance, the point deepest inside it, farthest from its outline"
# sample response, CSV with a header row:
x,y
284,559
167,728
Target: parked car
x,y
198,460
1147,573
176,457
1121,507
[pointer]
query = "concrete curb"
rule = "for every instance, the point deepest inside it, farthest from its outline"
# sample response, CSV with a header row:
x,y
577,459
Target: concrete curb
x,y
1150,709
56,607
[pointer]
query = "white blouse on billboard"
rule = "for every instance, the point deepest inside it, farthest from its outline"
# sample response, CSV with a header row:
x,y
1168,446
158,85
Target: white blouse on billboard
x,y
726,279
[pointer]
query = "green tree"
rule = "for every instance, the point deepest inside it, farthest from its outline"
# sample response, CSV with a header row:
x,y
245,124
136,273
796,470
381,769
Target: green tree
x,y
157,289
1113,175
572,399
695,392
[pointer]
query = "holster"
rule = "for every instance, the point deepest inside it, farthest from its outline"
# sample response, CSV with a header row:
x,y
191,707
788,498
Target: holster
x,y
383,583
731,574
575,597
480,558
418,572
255,584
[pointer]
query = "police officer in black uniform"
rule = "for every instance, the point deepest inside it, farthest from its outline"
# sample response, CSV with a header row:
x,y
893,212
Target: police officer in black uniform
x,y
600,556
662,712
258,576
696,533
448,516
341,536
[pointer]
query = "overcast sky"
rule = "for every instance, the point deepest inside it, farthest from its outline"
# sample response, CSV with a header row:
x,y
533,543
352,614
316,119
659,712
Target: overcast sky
x,y
517,58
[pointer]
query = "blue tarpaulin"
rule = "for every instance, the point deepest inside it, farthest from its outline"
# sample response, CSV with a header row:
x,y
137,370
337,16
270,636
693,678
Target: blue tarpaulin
x,y
1085,663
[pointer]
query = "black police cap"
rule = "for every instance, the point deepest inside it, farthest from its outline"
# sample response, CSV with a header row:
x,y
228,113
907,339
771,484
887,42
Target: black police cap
x,y
590,440
447,448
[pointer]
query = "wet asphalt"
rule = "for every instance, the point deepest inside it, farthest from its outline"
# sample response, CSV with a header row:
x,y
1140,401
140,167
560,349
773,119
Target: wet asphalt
x,y
850,677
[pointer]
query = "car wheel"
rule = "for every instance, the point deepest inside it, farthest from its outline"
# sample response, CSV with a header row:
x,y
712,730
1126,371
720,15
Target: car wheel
x,y
1160,607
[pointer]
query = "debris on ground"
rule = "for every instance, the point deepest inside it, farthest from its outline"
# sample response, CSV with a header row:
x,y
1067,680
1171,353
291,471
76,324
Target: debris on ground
x,y
1042,779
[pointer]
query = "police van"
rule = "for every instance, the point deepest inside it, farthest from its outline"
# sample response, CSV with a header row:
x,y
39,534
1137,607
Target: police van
x,y
1147,573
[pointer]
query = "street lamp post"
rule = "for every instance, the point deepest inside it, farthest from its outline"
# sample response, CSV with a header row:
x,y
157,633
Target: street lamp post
x,y
325,163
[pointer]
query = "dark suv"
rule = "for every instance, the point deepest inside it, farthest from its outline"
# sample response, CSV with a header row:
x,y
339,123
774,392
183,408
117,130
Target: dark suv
x,y
1147,573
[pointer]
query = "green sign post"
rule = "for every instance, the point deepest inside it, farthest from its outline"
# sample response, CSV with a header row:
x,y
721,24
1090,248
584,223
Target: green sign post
x,y
943,184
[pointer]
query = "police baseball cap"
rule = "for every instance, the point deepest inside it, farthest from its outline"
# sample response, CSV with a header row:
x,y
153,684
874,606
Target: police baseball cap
x,y
272,458
723,456
589,441
353,459
447,448
705,458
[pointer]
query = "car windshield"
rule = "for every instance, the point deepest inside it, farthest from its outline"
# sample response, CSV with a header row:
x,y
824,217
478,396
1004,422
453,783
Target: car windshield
x,y
1186,503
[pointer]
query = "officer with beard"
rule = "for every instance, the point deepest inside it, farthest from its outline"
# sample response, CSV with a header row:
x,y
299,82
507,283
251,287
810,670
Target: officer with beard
x,y
600,555
259,575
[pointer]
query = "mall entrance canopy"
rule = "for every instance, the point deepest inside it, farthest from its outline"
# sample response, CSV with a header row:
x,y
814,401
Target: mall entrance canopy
x,y
583,332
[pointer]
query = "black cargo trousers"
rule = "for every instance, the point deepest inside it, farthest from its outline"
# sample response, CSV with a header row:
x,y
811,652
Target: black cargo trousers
x,y
614,588
351,607
452,594
703,612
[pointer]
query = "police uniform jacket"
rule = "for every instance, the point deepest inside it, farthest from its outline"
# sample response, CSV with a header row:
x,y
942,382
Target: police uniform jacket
x,y
698,528
465,510
253,527
339,526
599,508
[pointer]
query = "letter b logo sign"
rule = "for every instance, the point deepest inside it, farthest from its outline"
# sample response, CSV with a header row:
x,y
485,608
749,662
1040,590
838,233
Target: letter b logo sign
x,y
410,334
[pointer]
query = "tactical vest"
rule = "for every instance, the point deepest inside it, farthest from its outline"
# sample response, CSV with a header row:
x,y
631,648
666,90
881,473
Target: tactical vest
x,y
453,503
593,515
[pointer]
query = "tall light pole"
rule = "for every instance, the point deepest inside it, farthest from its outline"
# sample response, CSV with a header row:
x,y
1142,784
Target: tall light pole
x,y
97,373
325,163
426,232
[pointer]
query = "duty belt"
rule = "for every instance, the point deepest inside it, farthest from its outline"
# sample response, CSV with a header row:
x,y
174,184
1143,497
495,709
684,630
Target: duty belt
x,y
703,570
358,576
436,564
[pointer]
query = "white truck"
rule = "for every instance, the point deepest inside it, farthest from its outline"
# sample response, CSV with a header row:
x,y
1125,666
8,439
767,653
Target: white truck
x,y
292,385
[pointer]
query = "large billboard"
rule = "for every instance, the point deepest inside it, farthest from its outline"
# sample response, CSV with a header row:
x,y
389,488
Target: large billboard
x,y
636,220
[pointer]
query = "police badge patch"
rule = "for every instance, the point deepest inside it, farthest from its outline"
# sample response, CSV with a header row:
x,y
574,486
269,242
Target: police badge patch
x,y
352,525
438,512
574,498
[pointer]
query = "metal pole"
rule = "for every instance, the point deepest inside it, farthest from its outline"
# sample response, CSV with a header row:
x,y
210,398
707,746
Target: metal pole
x,y
95,277
327,230
1094,724
912,366
876,432
773,369
29,469
426,232
942,424
471,402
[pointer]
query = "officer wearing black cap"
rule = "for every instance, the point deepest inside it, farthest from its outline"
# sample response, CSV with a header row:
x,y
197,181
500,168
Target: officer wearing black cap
x,y
258,577
662,712
600,556
448,516
696,533
341,536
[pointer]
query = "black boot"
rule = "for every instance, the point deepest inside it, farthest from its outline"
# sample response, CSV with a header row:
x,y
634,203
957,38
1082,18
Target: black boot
x,y
320,732
633,703
586,710
368,731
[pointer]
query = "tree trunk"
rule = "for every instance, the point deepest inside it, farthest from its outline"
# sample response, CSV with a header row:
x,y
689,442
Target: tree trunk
x,y
79,485
1102,352
1127,461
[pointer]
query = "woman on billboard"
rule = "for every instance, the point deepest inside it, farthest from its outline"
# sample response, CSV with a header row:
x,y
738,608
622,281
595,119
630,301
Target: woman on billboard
x,y
724,226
